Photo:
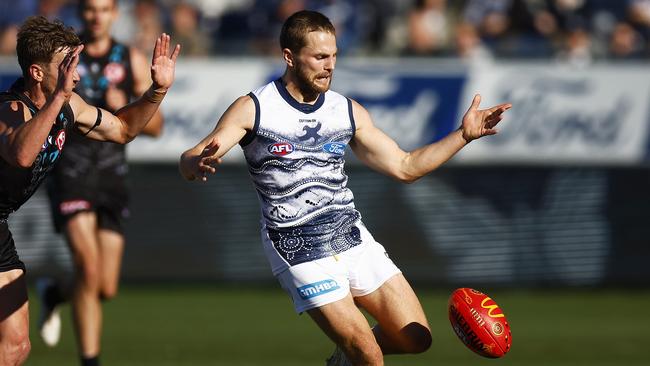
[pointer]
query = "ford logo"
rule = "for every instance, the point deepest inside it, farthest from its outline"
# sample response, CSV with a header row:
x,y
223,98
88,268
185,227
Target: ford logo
x,y
334,148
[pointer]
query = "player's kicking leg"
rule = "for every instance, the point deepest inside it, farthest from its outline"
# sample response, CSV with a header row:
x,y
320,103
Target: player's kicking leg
x,y
14,318
401,326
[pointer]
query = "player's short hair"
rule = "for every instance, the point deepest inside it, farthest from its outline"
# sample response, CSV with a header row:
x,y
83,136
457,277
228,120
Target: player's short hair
x,y
298,25
39,39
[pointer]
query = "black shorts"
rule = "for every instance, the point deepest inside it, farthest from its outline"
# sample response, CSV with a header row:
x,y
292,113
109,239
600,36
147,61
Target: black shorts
x,y
79,185
8,256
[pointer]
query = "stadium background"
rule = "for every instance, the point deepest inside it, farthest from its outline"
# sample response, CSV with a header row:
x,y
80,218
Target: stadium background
x,y
549,217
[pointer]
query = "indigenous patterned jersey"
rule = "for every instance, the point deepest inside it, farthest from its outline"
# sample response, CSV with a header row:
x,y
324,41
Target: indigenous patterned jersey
x,y
295,155
17,184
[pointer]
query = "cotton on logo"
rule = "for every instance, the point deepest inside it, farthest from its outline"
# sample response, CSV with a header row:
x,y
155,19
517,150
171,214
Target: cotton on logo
x,y
281,148
60,139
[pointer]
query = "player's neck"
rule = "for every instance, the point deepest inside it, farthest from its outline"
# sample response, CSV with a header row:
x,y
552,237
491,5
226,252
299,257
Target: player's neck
x,y
99,46
35,93
297,93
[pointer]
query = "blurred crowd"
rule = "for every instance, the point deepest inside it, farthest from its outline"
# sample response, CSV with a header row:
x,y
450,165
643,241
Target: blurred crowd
x,y
576,31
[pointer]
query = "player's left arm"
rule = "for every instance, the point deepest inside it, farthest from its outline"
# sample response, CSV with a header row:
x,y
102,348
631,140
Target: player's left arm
x,y
380,152
128,121
141,82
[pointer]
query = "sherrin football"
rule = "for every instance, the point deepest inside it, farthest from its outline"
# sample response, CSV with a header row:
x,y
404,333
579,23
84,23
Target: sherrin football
x,y
479,323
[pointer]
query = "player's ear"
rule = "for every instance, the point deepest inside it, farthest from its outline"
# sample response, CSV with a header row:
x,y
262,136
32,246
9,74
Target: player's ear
x,y
36,72
287,55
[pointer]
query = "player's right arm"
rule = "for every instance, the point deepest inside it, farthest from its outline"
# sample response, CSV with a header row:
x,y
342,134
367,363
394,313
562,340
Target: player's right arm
x,y
22,135
198,161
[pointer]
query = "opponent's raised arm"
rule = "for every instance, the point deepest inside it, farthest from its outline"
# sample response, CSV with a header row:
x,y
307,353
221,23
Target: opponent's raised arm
x,y
128,122
381,153
204,158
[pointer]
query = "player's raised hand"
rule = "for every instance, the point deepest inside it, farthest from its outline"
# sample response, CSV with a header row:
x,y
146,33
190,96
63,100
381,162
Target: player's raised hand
x,y
163,63
68,76
482,122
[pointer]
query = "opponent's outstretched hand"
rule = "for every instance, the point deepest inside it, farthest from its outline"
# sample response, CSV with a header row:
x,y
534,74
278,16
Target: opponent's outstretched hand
x,y
65,82
482,122
163,63
198,166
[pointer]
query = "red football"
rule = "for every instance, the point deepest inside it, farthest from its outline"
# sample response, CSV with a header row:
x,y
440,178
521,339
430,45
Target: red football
x,y
479,323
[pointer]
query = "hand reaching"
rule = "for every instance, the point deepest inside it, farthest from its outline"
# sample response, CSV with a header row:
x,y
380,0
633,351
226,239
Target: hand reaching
x,y
481,122
198,166
163,64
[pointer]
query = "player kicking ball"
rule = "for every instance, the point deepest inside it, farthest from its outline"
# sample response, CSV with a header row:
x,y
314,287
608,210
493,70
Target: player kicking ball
x,y
294,132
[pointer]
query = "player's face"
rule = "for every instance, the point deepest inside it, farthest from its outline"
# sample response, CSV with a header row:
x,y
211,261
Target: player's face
x,y
98,17
51,72
315,62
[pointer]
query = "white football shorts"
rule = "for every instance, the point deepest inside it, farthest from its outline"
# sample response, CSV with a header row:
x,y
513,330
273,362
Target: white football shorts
x,y
359,270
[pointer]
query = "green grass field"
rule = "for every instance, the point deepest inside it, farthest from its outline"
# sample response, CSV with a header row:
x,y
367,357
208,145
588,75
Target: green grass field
x,y
211,325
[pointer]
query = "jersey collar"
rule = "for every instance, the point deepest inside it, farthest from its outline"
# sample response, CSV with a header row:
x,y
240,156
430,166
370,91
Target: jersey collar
x,y
302,107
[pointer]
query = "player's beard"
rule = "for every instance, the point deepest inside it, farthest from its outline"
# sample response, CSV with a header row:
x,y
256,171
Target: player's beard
x,y
306,82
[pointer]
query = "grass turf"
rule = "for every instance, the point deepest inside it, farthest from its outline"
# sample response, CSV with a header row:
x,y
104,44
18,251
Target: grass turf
x,y
201,325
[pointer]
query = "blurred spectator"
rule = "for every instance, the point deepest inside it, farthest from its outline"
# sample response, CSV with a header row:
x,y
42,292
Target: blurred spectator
x,y
147,14
489,17
625,43
468,45
266,20
8,40
186,31
639,18
345,18
428,27
64,10
577,48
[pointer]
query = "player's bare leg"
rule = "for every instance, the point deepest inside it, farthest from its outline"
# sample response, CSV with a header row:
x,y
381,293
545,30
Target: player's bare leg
x,y
402,325
14,318
81,231
344,323
111,247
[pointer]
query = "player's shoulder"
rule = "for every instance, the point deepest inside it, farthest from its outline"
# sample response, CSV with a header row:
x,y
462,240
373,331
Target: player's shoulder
x,y
13,112
267,88
245,103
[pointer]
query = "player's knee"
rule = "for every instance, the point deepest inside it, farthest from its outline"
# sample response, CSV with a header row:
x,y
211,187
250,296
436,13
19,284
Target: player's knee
x,y
417,338
16,348
88,274
108,293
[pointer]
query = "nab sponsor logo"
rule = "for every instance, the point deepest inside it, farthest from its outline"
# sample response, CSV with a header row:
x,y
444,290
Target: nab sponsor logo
x,y
281,148
317,289
334,148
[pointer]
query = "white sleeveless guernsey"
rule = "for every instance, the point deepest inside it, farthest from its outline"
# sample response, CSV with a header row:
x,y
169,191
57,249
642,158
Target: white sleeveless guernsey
x,y
295,160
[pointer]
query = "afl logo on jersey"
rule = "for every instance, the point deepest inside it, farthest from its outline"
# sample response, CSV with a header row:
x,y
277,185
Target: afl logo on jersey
x,y
114,72
281,148
60,139
334,148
